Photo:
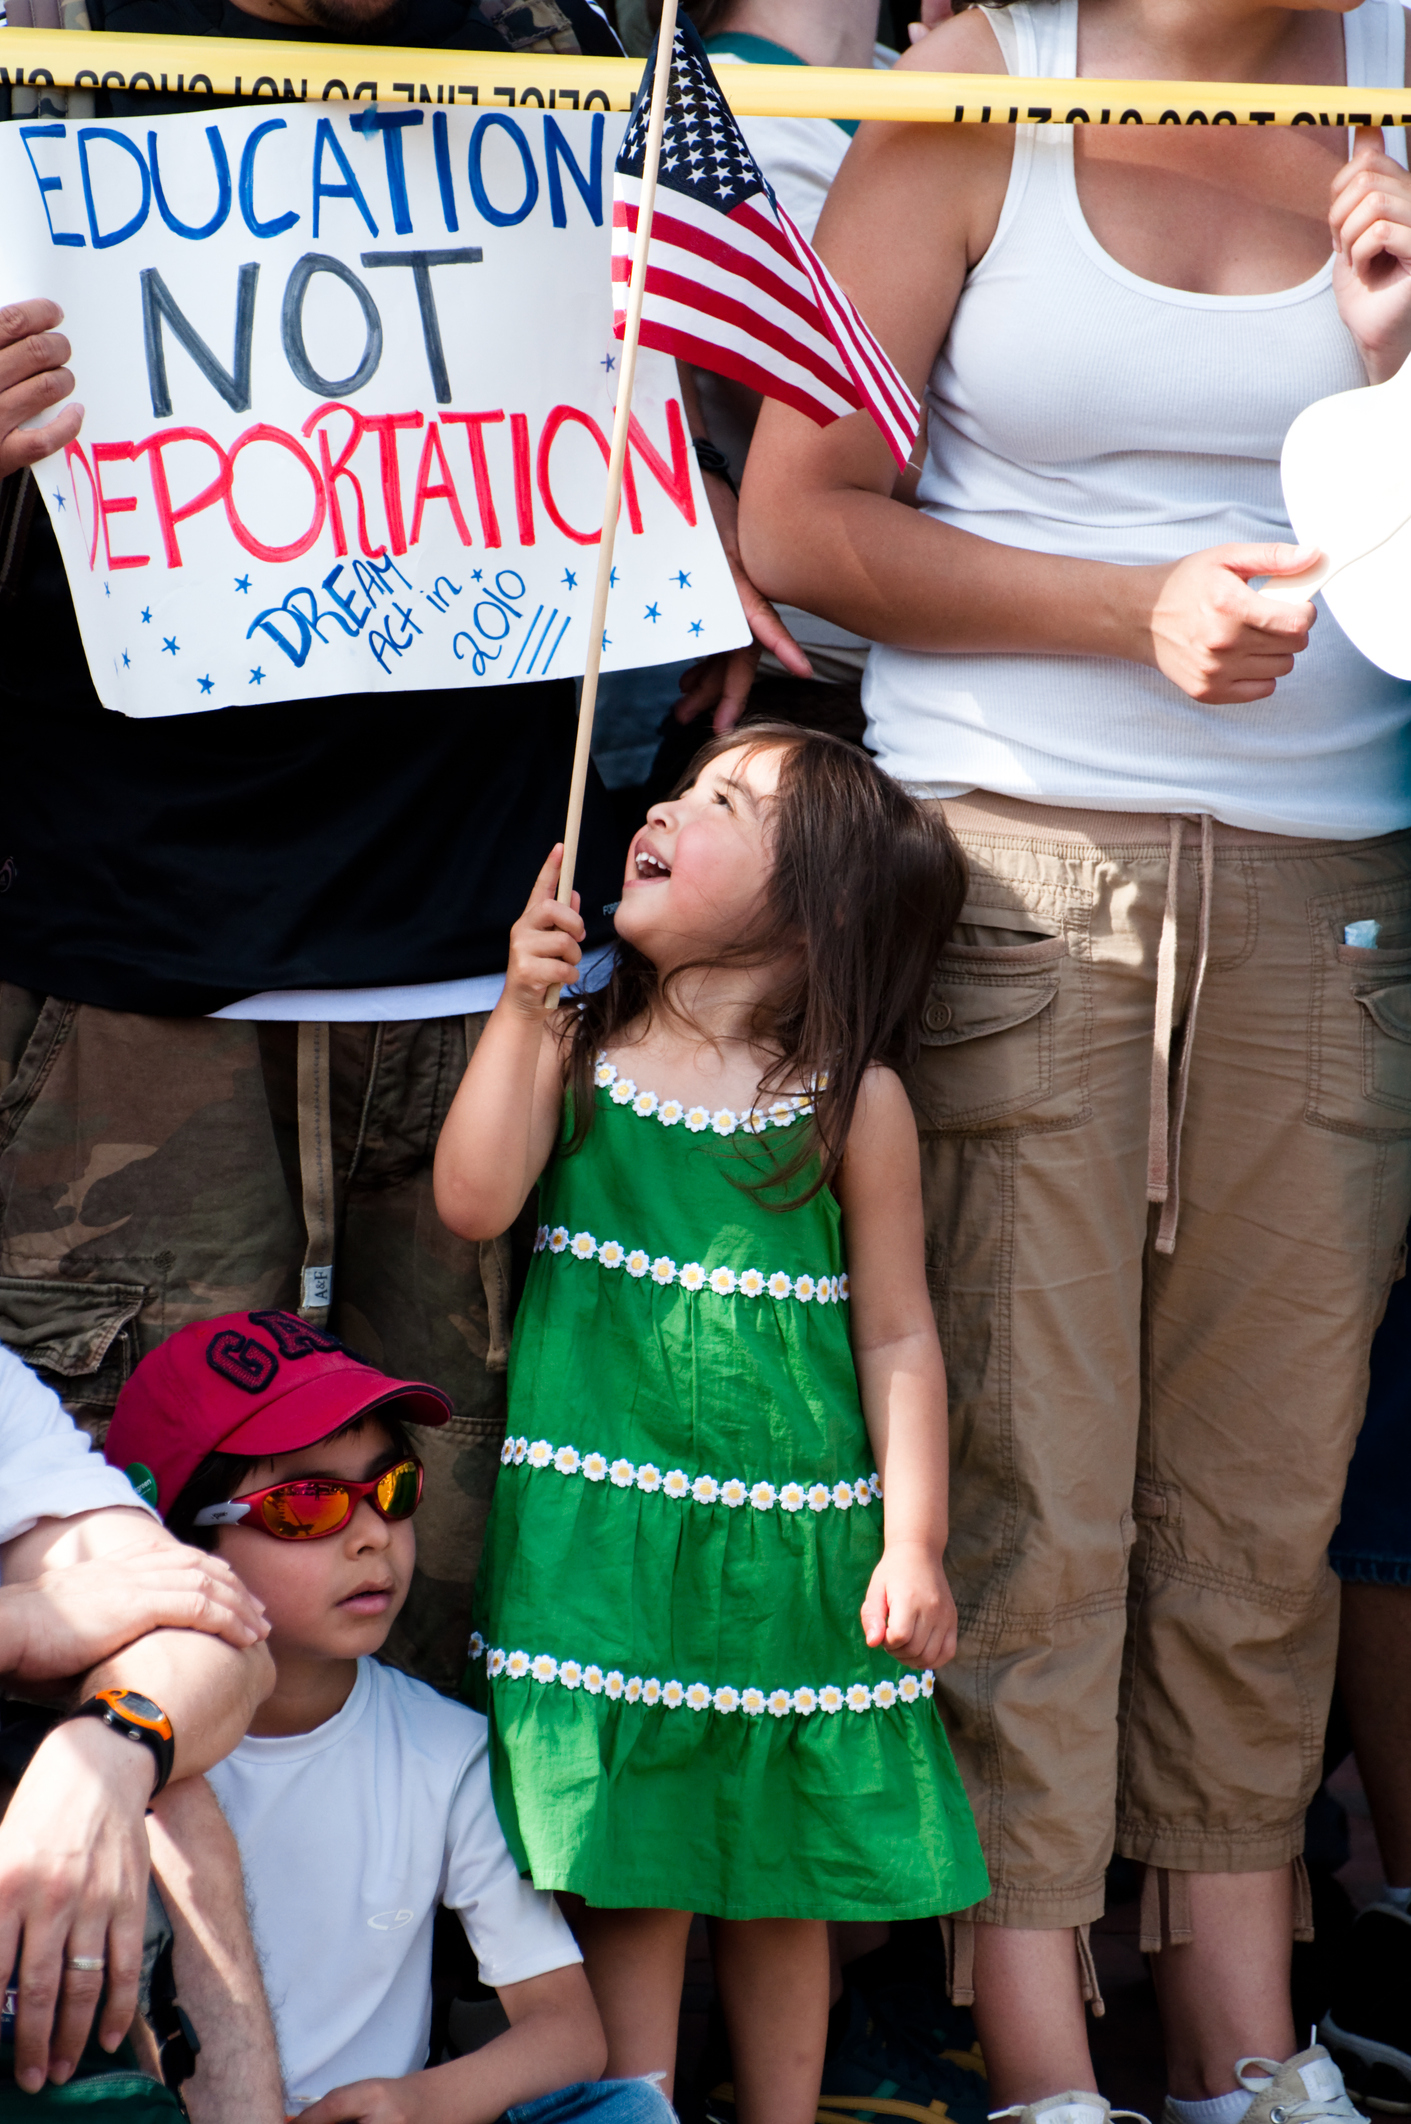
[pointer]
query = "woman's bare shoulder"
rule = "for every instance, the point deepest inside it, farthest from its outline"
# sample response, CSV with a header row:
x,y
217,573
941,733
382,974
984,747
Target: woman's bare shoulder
x,y
942,184
964,44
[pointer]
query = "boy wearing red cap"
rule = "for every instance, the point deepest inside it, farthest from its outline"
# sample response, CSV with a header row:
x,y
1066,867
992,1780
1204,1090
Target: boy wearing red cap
x,y
360,1799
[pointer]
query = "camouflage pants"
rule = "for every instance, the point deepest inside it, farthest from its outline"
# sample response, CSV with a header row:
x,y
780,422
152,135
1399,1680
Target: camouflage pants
x,y
150,1176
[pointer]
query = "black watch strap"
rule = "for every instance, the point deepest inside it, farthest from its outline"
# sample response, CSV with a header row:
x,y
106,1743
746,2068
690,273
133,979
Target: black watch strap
x,y
138,1719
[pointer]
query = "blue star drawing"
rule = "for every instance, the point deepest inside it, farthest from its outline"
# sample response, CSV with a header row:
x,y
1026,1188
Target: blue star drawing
x,y
257,676
169,645
652,614
242,582
147,615
206,683
570,580
107,589
682,580
58,498
126,660
609,363
477,575
606,643
697,626
612,580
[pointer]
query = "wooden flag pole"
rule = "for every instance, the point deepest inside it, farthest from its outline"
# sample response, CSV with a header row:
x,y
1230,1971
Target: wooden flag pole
x,y
637,288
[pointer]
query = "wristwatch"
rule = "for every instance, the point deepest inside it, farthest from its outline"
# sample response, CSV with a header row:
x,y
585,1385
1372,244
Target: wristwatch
x,y
140,1720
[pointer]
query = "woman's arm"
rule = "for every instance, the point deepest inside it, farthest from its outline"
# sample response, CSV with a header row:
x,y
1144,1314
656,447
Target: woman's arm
x,y
500,1131
912,210
900,1373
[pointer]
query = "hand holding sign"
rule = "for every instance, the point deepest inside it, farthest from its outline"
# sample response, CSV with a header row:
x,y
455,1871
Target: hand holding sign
x,y
32,378
1347,459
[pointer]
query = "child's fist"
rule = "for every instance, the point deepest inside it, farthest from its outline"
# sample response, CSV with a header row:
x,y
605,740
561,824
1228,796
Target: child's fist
x,y
909,1608
545,943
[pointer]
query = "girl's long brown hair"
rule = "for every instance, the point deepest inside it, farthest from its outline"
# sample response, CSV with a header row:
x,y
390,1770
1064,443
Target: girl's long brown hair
x,y
866,888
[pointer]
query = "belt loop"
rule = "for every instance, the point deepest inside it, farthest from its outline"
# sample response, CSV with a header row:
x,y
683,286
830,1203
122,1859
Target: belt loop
x,y
316,1173
1159,1123
1171,1210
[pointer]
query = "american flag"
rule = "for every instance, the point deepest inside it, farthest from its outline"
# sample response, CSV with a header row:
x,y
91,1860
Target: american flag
x,y
731,284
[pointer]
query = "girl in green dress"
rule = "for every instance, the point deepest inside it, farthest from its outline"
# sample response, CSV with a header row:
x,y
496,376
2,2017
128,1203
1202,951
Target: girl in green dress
x,y
712,1600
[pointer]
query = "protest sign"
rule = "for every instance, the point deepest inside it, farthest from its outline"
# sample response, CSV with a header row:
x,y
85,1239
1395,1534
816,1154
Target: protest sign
x,y
349,375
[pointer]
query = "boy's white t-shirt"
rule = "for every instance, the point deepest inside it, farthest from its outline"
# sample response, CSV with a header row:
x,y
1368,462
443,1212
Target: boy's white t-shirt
x,y
350,1837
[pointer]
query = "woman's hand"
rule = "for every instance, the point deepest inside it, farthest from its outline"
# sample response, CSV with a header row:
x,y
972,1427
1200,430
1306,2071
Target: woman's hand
x,y
1213,636
722,683
1371,225
545,944
909,1608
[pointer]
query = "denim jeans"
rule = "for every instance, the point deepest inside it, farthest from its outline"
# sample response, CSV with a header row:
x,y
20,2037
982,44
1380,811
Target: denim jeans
x,y
604,2101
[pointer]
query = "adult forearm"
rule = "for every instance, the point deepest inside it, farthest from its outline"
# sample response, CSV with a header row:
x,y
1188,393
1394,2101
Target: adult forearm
x,y
208,1690
867,562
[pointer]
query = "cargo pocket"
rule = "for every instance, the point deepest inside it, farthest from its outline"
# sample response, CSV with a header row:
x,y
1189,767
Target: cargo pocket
x,y
81,1338
1002,1039
1359,1079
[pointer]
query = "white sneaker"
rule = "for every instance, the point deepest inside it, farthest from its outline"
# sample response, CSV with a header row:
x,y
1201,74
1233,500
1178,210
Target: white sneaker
x,y
1305,2089
1070,2108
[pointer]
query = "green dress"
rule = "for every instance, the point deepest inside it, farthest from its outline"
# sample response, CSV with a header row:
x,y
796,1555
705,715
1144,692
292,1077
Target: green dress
x,y
684,1713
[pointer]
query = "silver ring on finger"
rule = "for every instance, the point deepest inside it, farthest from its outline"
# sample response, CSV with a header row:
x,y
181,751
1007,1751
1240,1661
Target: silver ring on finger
x,y
86,1964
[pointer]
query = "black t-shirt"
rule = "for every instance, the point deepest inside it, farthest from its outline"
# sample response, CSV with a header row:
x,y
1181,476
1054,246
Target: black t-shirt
x,y
172,865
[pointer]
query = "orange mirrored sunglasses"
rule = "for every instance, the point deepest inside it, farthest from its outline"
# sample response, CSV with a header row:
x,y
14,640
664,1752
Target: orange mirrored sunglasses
x,y
314,1506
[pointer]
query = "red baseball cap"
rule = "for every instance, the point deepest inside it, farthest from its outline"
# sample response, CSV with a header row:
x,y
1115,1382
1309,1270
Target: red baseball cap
x,y
256,1383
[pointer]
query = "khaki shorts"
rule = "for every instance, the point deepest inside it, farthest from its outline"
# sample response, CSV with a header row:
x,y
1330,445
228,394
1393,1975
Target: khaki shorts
x,y
150,1175
1149,1449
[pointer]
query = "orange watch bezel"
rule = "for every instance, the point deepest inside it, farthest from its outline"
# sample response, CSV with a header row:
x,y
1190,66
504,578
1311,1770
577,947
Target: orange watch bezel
x,y
120,1701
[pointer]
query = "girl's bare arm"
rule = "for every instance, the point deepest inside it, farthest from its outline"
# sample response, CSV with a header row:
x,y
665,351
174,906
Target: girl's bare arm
x,y
901,1374
500,1131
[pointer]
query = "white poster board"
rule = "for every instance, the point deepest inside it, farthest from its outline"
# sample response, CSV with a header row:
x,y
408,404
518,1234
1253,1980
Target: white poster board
x,y
349,379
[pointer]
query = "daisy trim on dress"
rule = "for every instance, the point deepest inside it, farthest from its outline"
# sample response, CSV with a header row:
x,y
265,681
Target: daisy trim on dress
x,y
722,1121
691,1276
723,1698
730,1490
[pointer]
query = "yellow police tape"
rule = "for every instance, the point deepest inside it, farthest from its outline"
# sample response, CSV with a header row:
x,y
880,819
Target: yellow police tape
x,y
298,73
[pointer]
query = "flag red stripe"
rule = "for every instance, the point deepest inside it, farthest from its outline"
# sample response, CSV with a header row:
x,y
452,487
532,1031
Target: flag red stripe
x,y
724,361
685,236
869,361
876,380
712,302
744,344
853,336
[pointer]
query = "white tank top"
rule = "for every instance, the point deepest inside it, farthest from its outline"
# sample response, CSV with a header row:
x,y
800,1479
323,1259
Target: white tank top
x,y
1079,409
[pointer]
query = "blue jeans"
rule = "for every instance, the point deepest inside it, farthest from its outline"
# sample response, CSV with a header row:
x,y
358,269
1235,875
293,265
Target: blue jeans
x,y
604,2101
1372,1543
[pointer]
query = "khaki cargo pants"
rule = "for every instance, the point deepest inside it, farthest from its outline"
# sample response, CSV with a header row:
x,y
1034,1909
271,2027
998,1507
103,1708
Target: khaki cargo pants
x,y
151,1174
1149,1446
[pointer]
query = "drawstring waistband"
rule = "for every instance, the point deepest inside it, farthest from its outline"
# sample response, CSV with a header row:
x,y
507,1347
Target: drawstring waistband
x,y
1163,1147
